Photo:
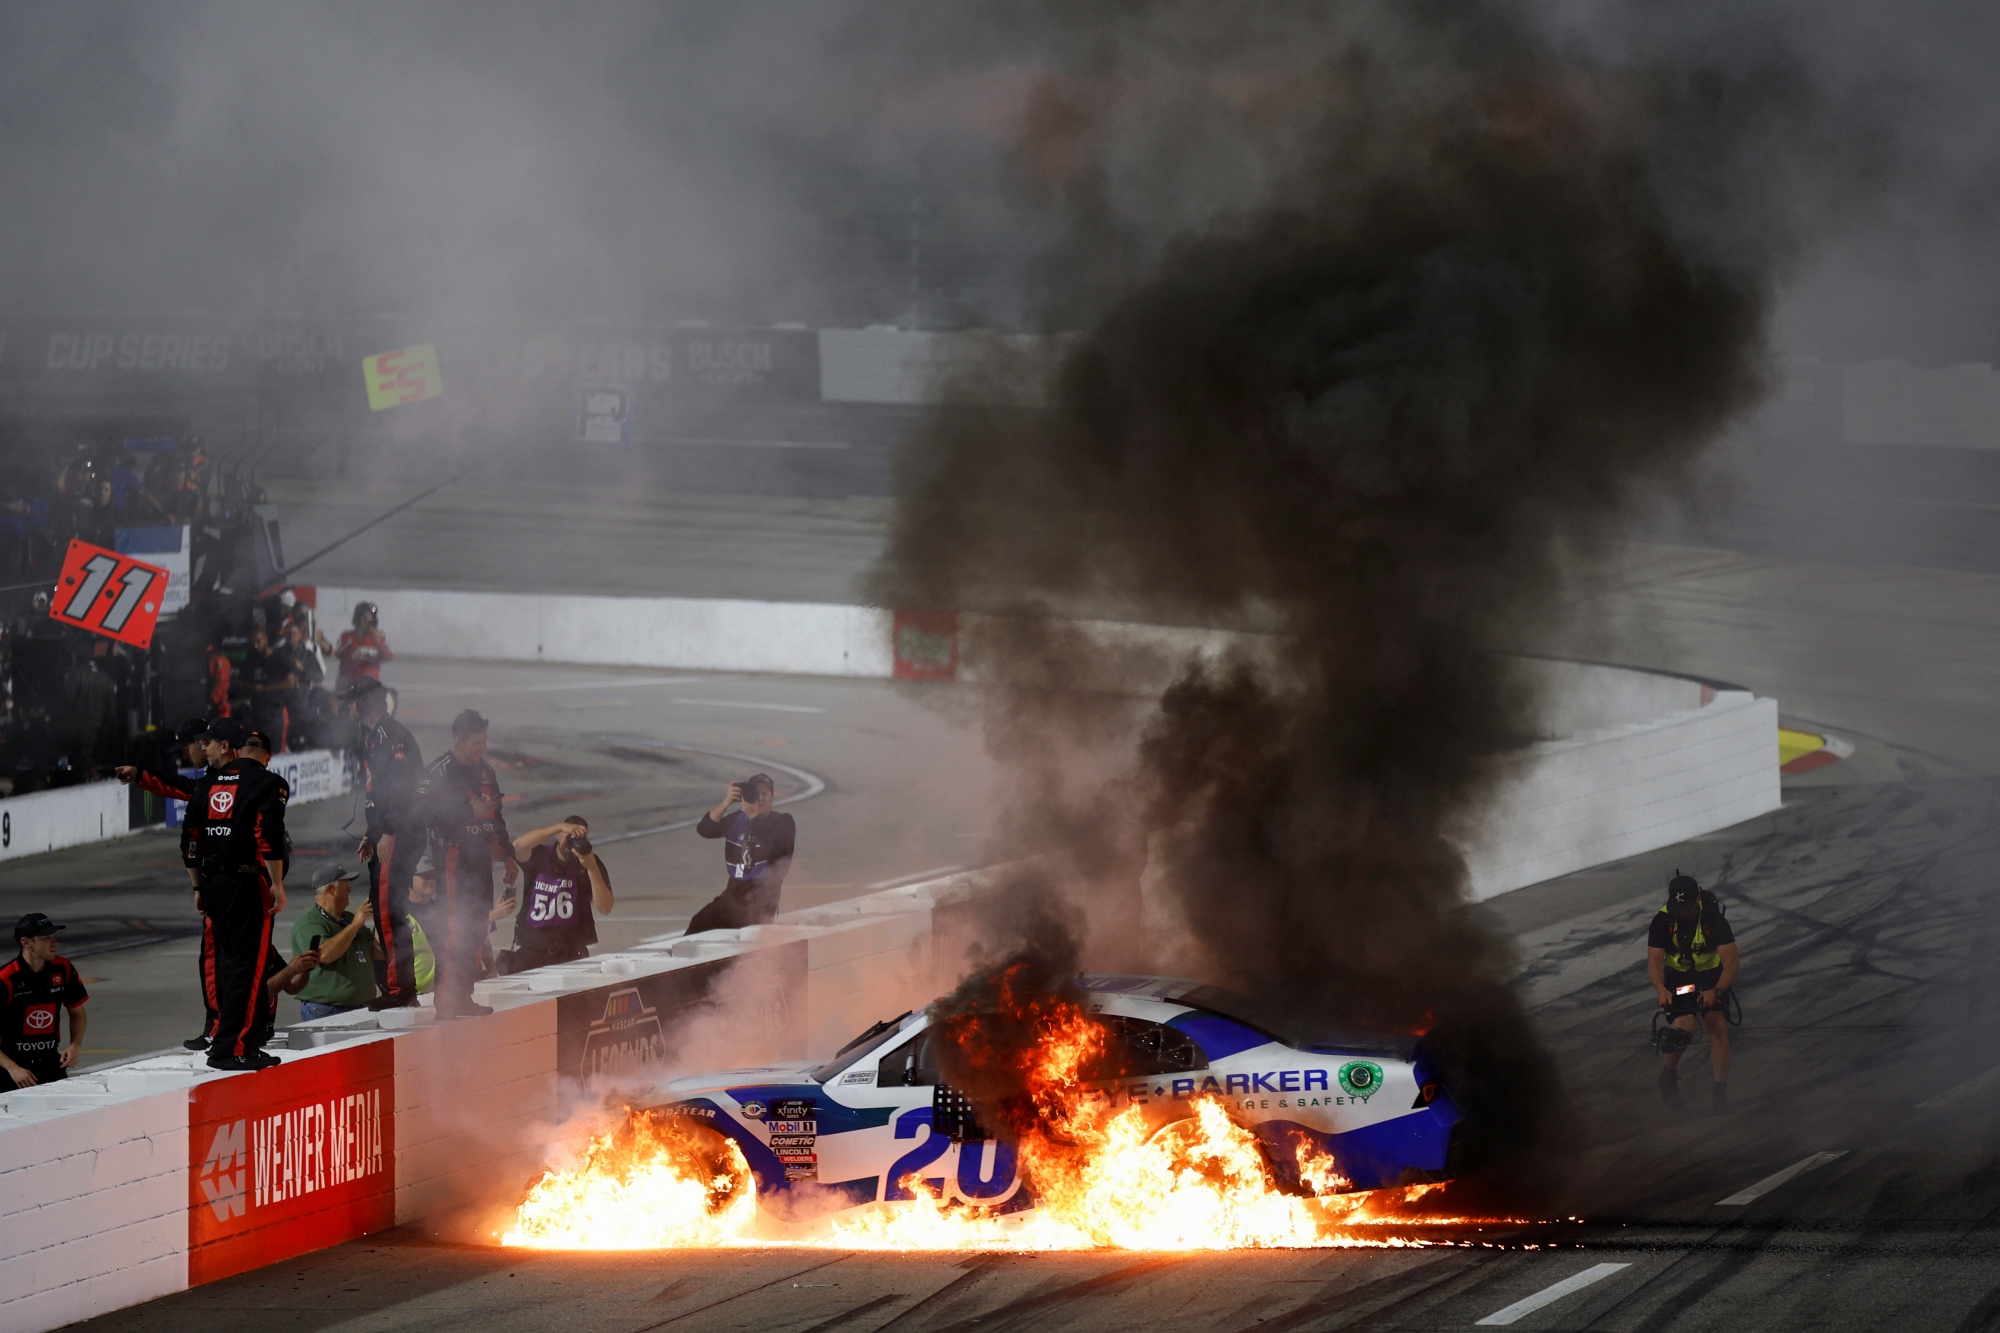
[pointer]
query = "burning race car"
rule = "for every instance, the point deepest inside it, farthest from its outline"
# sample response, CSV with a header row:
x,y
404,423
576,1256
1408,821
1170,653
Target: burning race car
x,y
1312,1113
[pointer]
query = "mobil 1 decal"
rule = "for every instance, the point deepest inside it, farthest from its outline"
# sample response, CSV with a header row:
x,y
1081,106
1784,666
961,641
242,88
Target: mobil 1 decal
x,y
793,1124
754,1006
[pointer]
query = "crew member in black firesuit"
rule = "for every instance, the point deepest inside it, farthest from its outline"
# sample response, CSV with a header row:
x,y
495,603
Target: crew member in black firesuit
x,y
394,843
1692,960
196,750
757,856
566,889
33,988
460,800
238,841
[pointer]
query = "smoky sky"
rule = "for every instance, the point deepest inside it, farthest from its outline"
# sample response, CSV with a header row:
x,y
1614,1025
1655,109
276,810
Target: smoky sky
x,y
758,160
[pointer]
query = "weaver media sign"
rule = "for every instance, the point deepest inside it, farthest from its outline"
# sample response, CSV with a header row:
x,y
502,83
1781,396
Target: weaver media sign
x,y
291,1159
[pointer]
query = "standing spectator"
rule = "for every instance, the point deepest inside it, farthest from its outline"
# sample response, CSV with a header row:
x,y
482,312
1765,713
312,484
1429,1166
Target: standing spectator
x,y
308,676
237,822
218,681
393,768
564,890
345,977
460,798
758,855
362,650
273,683
196,750
34,987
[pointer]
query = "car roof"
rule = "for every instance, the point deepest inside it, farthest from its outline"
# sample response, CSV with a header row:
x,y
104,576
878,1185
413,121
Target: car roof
x,y
1301,1031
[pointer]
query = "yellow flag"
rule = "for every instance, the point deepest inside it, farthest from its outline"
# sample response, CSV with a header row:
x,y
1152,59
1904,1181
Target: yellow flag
x,y
406,375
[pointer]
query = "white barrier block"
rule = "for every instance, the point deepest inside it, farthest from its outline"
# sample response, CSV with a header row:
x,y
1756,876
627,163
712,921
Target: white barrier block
x,y
45,821
675,633
469,1095
93,1210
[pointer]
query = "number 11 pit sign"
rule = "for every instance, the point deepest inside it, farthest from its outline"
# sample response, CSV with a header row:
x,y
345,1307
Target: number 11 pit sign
x,y
109,594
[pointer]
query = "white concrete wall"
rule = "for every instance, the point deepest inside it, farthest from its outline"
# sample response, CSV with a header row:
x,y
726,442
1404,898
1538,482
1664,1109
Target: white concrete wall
x,y
1575,697
1613,793
677,633
45,821
93,1202
1889,402
890,365
469,1097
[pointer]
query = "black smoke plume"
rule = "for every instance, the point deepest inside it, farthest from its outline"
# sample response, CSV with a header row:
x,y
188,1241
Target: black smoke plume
x,y
1386,319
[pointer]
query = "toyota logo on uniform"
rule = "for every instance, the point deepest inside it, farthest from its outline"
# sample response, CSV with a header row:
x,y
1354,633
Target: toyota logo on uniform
x,y
40,1019
220,801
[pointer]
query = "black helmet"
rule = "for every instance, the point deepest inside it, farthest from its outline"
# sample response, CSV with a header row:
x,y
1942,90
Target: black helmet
x,y
365,609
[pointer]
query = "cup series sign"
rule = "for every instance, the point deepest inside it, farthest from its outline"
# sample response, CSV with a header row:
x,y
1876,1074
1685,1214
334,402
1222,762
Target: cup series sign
x,y
291,1159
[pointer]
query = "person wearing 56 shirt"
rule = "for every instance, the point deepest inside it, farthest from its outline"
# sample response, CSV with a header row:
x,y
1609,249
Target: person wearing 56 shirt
x,y
565,889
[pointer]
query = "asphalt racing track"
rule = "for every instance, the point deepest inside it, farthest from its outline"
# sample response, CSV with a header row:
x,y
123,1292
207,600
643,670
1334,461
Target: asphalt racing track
x,y
1865,909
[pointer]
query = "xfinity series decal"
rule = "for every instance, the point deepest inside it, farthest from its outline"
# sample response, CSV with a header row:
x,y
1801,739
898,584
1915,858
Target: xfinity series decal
x,y
793,1124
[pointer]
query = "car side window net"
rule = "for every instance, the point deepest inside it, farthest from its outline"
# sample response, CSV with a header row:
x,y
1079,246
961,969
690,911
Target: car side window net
x,y
911,1065
1135,1047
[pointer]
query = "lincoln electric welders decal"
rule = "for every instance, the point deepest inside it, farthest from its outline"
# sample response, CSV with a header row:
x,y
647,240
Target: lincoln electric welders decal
x,y
794,1128
639,1024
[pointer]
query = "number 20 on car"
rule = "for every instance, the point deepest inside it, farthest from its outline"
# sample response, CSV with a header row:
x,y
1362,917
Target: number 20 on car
x,y
109,594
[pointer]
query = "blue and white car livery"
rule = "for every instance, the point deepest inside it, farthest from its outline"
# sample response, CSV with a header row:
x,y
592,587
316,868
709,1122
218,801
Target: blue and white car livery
x,y
859,1125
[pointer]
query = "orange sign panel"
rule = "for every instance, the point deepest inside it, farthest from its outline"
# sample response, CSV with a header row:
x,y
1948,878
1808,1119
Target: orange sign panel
x,y
109,594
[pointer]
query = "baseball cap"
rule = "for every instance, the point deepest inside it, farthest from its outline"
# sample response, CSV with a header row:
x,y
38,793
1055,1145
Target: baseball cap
x,y
191,730
228,730
34,923
425,866
360,688
329,873
257,740
1683,894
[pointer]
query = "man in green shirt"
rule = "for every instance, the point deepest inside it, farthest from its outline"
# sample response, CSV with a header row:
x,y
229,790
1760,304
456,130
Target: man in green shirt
x,y
345,978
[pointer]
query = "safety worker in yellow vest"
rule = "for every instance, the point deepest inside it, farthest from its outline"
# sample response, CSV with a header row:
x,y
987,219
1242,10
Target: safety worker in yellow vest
x,y
1692,960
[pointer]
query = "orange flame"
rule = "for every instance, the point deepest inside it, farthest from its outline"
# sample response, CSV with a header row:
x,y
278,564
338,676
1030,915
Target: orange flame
x,y
651,1184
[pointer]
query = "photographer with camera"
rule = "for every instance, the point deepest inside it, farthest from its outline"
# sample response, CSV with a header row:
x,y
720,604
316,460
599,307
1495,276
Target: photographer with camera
x,y
757,855
1692,960
565,889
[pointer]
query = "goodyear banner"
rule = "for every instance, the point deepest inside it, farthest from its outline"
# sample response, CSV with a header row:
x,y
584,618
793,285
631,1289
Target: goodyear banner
x,y
734,1011
406,375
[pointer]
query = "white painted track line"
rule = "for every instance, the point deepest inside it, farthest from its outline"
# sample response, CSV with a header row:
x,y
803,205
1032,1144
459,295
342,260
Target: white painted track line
x,y
920,876
740,703
1507,1314
1769,1183
1946,1098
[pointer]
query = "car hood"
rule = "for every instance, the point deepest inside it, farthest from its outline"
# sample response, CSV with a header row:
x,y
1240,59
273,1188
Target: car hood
x,y
736,1078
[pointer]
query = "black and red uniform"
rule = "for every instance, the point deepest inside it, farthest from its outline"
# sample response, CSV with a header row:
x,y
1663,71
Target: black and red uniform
x,y
237,819
30,1032
178,787
395,769
461,806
